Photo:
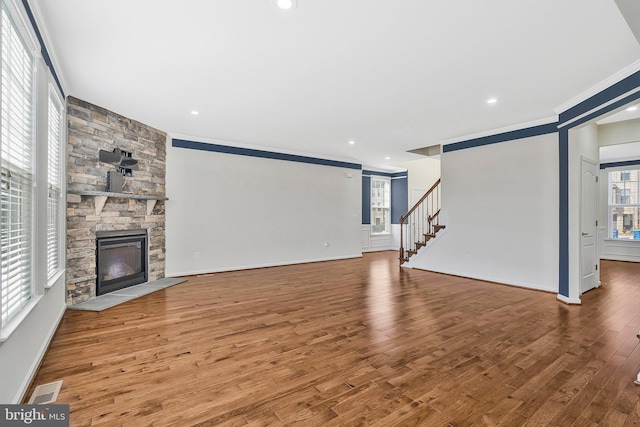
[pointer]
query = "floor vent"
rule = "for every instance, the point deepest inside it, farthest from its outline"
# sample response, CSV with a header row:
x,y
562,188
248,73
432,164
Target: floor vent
x,y
45,393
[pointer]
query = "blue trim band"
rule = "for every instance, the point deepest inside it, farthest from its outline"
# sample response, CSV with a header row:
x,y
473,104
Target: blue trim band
x,y
597,113
502,137
619,164
43,48
563,214
602,97
387,174
203,146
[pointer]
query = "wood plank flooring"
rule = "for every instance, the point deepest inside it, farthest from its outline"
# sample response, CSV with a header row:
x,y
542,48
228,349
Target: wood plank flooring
x,y
350,343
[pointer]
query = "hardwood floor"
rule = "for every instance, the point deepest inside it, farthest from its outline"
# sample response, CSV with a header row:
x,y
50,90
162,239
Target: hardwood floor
x,y
353,342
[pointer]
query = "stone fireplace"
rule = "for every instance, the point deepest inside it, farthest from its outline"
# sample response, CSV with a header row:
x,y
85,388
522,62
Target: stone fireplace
x,y
93,213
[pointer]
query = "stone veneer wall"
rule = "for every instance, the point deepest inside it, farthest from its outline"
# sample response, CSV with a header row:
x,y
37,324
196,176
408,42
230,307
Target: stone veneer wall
x,y
92,128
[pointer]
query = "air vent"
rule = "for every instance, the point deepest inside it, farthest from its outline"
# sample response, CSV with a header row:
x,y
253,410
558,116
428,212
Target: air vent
x,y
45,393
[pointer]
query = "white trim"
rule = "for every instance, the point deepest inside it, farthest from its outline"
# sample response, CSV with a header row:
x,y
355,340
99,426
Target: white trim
x,y
33,369
567,300
605,84
488,279
47,40
52,281
21,19
13,324
249,267
498,131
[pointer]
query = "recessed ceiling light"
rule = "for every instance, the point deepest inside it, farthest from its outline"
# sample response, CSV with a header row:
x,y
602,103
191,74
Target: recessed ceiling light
x,y
492,100
286,4
634,108
195,113
387,158
352,142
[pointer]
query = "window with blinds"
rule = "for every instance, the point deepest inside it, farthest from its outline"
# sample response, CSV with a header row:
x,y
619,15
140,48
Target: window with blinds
x,y
54,136
16,169
380,204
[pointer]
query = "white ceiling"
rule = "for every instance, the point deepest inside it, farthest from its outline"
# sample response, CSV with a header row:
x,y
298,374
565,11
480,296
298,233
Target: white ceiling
x,y
391,75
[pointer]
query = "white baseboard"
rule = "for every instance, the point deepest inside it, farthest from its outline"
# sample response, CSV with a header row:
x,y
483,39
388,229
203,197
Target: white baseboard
x,y
249,267
567,300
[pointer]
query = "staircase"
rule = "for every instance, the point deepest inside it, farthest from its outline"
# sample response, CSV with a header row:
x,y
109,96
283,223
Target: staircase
x,y
420,224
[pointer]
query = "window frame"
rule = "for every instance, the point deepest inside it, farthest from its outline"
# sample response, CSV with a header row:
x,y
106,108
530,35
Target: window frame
x,y
386,201
24,167
615,201
43,83
54,96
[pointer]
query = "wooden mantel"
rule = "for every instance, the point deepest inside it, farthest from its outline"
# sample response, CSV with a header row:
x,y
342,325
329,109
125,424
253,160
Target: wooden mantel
x,y
102,196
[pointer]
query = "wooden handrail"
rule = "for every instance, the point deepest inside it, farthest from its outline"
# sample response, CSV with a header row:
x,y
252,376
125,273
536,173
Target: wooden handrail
x,y
433,187
419,228
434,216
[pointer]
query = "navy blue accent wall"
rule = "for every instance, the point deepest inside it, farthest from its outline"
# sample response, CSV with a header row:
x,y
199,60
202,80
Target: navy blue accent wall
x,y
502,137
399,198
619,164
43,48
203,146
563,214
366,199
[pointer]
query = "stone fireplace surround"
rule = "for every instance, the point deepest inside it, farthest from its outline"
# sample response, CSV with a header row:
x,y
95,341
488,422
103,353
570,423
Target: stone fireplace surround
x,y
91,128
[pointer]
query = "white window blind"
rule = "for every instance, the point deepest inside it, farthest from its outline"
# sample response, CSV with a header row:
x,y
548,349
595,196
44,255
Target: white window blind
x,y
380,204
54,136
16,169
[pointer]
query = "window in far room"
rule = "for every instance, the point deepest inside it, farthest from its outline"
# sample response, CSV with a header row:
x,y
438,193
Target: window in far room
x,y
624,204
380,205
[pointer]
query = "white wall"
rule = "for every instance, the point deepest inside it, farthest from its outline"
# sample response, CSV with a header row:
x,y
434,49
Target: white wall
x,y
619,133
26,346
500,203
228,212
422,174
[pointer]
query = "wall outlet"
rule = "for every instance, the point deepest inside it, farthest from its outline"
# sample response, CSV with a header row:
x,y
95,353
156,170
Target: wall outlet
x,y
326,244
196,255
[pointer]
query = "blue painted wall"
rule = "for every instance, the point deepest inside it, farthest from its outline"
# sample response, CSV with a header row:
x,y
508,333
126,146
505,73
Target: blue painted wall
x,y
366,199
399,199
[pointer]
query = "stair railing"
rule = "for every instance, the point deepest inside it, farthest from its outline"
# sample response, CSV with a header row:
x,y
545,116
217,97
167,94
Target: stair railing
x,y
417,226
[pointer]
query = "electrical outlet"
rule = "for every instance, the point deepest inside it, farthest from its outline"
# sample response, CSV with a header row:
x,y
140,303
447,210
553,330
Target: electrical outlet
x,y
196,255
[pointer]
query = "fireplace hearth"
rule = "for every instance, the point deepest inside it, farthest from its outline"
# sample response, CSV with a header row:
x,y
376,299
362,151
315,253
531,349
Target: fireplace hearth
x,y
121,260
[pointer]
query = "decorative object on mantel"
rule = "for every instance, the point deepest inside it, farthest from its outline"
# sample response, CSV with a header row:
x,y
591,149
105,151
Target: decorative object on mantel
x,y
117,157
102,196
124,161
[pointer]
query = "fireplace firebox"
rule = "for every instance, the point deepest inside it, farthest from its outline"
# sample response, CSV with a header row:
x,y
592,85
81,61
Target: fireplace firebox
x,y
121,260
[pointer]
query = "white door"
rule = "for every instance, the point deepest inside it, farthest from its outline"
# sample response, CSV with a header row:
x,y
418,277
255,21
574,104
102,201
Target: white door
x,y
588,225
